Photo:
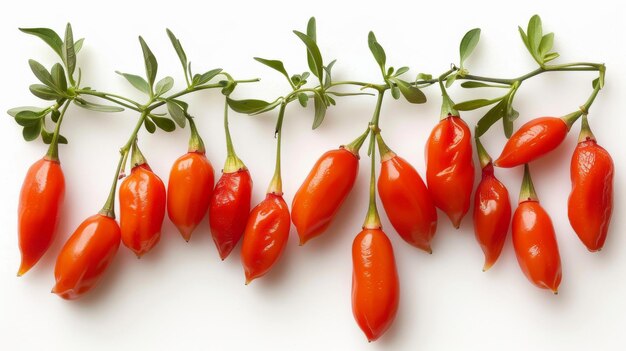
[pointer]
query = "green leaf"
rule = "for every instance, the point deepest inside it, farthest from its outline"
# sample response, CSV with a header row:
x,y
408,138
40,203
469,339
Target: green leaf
x,y
468,44
401,71
47,137
150,127
179,49
163,123
228,88
49,36
136,81
320,110
303,99
177,112
508,127
395,92
377,50
58,77
43,92
31,132
14,111
535,33
247,106
524,39
275,64
43,75
269,107
69,53
475,104
27,118
96,107
311,32
546,44
78,45
473,84
328,70
450,80
200,79
150,62
549,57
316,57
491,117
164,85
55,115
410,93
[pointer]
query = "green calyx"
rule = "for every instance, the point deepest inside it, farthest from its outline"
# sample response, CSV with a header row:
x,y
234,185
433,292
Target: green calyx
x,y
136,158
527,191
195,141
447,105
356,144
483,155
384,150
232,163
585,131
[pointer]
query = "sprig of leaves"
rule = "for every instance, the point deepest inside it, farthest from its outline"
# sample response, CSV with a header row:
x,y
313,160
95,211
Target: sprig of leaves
x,y
502,109
466,48
538,44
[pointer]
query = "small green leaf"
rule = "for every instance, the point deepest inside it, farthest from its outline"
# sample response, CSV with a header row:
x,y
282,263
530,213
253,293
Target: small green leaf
x,y
79,45
27,118
150,127
311,32
524,39
247,106
546,44
594,84
491,117
200,79
303,99
150,62
163,123
410,93
395,92
43,75
136,81
390,71
401,71
328,70
179,49
314,51
228,88
43,92
377,50
549,57
473,84
535,33
177,113
31,132
475,104
55,115
269,107
450,80
96,107
69,53
49,36
275,64
468,44
164,85
46,136
320,110
14,111
508,127
58,77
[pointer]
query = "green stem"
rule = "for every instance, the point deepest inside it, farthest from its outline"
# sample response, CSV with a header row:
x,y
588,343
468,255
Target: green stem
x,y
527,192
375,119
276,184
447,105
109,206
53,149
233,163
372,219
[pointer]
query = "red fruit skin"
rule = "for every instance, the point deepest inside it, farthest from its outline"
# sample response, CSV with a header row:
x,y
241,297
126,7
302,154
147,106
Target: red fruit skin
x,y
407,202
450,167
532,140
189,191
265,237
590,203
535,245
142,209
322,193
38,211
229,209
85,256
375,285
492,215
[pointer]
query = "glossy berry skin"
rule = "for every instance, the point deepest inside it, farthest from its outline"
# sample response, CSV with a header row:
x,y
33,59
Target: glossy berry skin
x,y
535,245
450,167
407,202
492,215
189,191
532,140
229,209
85,256
322,193
375,286
265,236
142,209
38,211
590,203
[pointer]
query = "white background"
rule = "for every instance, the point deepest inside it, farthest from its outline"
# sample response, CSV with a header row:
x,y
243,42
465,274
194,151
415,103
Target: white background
x,y
181,296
